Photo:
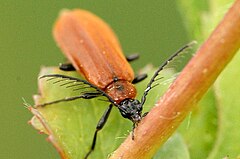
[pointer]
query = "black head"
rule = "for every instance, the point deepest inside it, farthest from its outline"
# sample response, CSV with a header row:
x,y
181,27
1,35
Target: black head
x,y
131,109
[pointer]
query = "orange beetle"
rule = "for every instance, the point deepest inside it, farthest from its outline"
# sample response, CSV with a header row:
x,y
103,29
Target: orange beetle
x,y
94,51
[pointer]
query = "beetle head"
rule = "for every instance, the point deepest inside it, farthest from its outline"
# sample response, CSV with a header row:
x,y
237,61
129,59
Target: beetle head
x,y
131,109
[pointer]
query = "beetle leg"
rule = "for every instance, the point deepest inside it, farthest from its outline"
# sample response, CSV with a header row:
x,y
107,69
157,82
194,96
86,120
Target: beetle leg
x,y
132,57
100,125
66,67
139,78
145,114
133,128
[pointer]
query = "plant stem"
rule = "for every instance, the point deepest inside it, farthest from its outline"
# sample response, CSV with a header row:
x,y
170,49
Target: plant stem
x,y
186,91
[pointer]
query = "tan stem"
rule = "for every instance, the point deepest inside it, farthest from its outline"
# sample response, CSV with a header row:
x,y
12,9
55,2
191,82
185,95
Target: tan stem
x,y
187,90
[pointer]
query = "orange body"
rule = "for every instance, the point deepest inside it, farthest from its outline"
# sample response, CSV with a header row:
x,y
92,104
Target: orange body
x,y
93,49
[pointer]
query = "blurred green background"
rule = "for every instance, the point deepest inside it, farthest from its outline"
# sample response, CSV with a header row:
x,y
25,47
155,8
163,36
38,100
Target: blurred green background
x,y
153,29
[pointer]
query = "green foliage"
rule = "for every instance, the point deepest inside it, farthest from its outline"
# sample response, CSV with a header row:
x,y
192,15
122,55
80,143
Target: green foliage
x,y
227,93
175,148
200,128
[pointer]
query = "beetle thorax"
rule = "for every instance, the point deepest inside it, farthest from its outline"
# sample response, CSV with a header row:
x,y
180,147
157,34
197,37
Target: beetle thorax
x,y
120,90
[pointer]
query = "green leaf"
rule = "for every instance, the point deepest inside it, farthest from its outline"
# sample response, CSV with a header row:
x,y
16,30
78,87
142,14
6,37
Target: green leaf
x,y
175,148
71,125
227,89
200,128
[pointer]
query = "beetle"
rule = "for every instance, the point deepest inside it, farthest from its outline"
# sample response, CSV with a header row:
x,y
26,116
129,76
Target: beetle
x,y
94,51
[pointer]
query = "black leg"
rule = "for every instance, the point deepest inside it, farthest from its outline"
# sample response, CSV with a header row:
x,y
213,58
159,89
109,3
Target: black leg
x,y
145,114
139,78
134,125
66,67
100,125
132,57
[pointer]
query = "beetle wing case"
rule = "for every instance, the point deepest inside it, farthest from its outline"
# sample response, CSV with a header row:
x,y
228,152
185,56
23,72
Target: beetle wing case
x,y
92,47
